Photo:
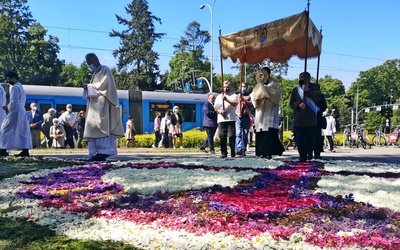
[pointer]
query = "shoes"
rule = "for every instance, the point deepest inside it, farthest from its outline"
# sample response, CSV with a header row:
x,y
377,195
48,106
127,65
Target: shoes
x,y
212,151
181,147
223,156
99,157
268,157
241,153
204,150
24,153
153,146
332,151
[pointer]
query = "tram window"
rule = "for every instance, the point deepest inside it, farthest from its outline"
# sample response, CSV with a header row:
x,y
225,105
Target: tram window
x,y
188,112
160,107
44,108
61,108
41,107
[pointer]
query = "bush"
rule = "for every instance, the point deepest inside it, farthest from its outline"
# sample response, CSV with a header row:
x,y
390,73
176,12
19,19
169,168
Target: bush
x,y
191,139
195,137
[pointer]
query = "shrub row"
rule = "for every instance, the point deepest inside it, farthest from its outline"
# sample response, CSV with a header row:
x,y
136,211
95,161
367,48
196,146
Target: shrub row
x,y
194,138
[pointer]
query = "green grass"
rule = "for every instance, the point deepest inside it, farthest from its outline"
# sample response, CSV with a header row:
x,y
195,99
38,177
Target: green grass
x,y
21,234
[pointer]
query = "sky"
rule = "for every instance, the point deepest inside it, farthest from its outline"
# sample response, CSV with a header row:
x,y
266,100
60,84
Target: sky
x,y
357,35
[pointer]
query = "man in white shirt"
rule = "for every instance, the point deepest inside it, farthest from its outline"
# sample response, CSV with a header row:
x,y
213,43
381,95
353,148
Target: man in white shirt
x,y
69,121
225,105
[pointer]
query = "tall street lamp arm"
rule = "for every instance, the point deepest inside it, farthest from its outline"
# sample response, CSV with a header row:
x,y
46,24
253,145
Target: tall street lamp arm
x,y
211,44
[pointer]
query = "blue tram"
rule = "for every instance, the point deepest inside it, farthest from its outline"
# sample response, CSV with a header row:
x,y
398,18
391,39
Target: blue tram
x,y
142,105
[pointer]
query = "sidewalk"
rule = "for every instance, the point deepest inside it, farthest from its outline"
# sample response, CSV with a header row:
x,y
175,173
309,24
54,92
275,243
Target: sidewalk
x,y
375,154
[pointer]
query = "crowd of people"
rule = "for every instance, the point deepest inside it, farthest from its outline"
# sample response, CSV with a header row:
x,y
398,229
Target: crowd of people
x,y
168,128
21,130
62,132
230,116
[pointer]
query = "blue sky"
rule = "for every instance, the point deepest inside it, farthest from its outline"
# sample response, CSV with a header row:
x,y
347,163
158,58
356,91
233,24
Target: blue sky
x,y
358,34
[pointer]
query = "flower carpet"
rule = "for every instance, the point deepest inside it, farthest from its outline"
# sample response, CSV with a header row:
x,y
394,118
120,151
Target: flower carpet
x,y
218,204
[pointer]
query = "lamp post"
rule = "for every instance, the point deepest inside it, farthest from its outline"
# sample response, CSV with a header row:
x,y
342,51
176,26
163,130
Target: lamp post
x,y
391,96
357,105
182,81
182,61
211,44
357,101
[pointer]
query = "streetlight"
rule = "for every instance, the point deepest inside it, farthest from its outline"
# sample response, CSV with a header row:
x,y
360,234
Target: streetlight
x,y
183,67
211,44
357,106
182,61
357,101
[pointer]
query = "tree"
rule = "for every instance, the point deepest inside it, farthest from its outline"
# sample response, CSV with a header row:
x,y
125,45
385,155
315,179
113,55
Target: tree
x,y
332,88
67,76
135,55
194,40
23,47
278,70
374,87
42,65
189,56
72,76
287,87
334,92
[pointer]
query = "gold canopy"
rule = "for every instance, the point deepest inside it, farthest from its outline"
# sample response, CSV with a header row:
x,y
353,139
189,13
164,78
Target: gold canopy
x,y
278,41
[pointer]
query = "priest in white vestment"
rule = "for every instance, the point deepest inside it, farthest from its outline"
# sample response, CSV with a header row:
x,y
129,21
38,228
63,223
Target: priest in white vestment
x,y
15,132
103,117
265,97
3,102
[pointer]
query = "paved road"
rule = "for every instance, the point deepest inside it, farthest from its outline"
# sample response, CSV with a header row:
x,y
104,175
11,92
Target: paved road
x,y
375,154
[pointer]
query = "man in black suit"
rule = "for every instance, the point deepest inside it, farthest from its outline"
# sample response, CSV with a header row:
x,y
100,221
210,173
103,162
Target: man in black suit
x,y
209,123
35,119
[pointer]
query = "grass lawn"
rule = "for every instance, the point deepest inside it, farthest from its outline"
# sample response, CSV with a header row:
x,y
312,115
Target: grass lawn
x,y
22,234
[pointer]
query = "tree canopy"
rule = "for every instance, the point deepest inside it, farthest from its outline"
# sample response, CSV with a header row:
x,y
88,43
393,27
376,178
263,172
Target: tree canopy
x,y
23,45
136,56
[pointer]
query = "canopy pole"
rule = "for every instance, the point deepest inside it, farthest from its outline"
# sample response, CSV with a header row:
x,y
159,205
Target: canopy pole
x,y
241,73
220,58
307,24
319,59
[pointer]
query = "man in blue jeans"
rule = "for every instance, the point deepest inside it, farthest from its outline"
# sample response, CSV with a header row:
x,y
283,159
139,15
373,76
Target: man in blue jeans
x,y
243,115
